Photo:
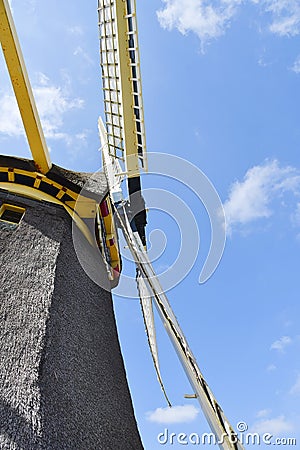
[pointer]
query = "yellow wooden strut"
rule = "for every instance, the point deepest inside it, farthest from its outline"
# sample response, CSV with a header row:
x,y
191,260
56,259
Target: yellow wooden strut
x,y
22,88
132,164
122,84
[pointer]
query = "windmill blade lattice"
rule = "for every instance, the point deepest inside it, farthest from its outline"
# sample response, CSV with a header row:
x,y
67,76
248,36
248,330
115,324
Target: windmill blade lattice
x,y
121,78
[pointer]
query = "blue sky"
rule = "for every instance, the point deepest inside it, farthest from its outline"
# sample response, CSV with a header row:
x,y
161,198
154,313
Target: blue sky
x,y
221,85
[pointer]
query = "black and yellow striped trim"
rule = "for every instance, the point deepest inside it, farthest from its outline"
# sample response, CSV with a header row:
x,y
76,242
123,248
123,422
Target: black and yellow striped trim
x,y
35,185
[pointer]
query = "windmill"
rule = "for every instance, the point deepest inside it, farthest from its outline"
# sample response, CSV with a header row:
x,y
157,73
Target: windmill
x,y
62,378
97,210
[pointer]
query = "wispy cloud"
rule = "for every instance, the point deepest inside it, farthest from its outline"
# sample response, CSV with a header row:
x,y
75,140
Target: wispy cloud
x,y
83,54
263,413
209,20
281,344
295,389
76,30
285,15
251,198
296,66
10,119
53,103
43,80
206,19
275,426
175,414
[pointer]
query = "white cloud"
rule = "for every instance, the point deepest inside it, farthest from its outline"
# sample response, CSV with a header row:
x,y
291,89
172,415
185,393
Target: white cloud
x,y
281,343
76,30
43,80
286,16
263,413
53,104
10,119
250,199
296,66
274,426
201,17
295,389
82,137
80,52
175,414
271,368
209,20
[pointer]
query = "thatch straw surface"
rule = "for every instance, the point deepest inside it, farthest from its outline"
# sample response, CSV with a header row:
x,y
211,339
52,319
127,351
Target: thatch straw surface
x,y
62,378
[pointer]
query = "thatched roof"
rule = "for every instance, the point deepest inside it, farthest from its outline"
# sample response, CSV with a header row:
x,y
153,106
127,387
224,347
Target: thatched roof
x,y
62,378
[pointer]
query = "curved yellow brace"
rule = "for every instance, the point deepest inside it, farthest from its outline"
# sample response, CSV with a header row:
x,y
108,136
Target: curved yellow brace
x,y
38,195
78,206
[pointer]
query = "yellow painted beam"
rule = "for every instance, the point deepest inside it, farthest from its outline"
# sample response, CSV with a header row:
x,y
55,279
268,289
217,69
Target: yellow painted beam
x,y
132,162
22,88
30,192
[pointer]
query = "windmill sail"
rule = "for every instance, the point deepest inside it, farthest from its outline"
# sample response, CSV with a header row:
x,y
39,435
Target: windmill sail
x,y
121,80
123,146
147,310
225,434
123,104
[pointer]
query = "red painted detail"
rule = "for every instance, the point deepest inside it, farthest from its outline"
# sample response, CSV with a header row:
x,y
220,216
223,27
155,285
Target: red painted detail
x,y
117,269
111,242
104,209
